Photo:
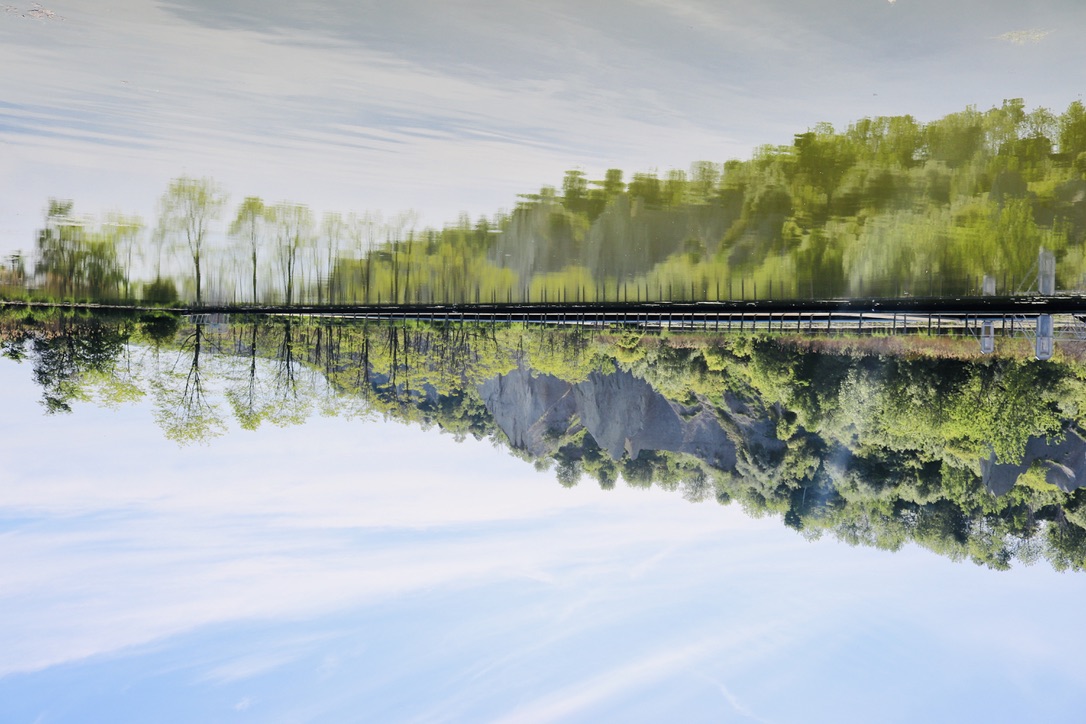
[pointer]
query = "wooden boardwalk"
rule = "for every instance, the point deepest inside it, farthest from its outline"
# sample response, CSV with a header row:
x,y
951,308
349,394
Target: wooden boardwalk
x,y
636,312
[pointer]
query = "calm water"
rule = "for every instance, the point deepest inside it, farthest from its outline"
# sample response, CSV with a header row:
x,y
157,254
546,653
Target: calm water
x,y
308,520
336,153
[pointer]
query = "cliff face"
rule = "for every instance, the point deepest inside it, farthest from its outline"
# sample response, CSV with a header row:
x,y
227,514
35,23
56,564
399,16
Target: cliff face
x,y
1063,460
532,410
539,414
622,413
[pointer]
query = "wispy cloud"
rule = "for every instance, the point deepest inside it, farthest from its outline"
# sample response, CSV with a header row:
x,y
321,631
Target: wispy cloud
x,y
118,565
571,700
651,667
730,697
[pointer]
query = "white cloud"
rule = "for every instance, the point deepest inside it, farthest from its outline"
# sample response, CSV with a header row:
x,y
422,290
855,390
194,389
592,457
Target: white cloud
x,y
618,681
248,529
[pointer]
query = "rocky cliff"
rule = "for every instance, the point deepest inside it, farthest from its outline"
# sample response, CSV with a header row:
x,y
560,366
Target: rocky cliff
x,y
622,413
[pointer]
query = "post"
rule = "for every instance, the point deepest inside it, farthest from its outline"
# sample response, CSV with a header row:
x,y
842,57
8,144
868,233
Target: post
x,y
1045,342
987,334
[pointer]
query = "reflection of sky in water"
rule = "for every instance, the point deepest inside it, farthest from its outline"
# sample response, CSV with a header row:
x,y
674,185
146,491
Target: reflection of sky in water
x,y
459,107
365,570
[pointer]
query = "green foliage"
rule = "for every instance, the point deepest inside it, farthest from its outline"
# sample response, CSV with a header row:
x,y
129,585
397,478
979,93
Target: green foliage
x,y
872,450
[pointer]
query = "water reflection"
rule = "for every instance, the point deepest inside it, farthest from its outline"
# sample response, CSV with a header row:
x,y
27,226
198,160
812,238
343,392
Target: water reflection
x,y
874,440
975,203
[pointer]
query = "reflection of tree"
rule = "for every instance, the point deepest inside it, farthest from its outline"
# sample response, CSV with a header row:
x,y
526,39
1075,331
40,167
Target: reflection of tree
x,y
293,235
884,206
13,270
188,209
74,260
333,233
123,232
59,245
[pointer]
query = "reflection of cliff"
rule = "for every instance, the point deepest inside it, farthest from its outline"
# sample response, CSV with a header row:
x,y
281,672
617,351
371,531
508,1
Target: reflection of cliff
x,y
626,240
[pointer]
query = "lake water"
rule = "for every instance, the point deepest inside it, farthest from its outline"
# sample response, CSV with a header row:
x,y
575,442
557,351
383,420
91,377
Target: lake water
x,y
293,518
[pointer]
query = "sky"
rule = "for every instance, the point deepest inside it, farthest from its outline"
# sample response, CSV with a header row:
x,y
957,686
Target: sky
x,y
359,569
457,107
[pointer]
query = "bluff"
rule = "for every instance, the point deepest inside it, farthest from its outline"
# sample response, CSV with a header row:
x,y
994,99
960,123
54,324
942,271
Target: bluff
x,y
623,414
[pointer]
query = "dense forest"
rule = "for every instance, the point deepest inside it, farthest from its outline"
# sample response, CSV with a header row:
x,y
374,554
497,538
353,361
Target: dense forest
x,y
888,206
976,458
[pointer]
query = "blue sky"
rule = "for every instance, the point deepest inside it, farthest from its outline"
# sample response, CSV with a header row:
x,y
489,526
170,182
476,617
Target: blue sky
x,y
449,107
359,569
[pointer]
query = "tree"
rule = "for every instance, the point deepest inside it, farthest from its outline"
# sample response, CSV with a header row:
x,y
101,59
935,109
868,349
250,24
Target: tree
x,y
187,210
183,408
